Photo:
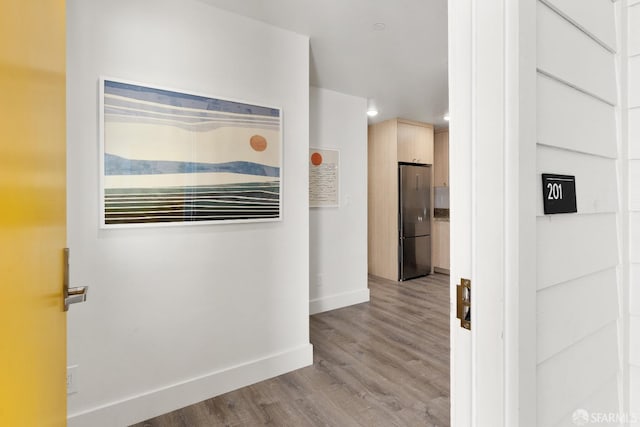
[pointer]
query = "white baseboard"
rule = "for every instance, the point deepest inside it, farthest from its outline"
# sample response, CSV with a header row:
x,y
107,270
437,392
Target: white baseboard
x,y
157,402
333,302
441,270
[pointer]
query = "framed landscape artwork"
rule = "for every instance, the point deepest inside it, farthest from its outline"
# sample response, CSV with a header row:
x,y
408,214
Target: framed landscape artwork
x,y
174,158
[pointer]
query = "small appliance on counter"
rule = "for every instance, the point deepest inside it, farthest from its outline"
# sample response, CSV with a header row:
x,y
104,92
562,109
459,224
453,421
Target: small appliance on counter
x,y
441,203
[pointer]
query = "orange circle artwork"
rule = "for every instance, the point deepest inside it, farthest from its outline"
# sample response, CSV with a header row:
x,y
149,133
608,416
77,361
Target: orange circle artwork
x,y
316,159
258,142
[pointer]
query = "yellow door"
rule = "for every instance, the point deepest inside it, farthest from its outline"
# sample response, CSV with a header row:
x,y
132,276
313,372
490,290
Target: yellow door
x,y
32,213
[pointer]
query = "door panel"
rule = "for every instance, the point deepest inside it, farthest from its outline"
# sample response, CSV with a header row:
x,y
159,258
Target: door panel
x,y
415,200
415,257
461,24
32,213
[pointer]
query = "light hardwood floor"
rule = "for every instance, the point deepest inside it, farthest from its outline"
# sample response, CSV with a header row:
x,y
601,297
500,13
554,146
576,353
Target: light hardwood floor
x,y
383,363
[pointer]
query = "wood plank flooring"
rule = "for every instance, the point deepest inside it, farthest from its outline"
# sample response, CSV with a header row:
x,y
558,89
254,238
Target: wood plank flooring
x,y
383,363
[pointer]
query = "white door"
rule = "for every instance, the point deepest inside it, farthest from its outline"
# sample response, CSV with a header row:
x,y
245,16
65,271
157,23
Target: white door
x,y
493,187
460,158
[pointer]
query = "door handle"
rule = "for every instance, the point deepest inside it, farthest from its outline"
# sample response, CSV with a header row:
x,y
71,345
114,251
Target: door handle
x,y
71,295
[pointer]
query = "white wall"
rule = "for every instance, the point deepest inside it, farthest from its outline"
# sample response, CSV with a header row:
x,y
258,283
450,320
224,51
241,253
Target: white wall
x,y
179,314
633,135
338,236
578,260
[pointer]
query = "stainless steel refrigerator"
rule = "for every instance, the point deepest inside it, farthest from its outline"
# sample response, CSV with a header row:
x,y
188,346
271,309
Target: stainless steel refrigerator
x,y
414,221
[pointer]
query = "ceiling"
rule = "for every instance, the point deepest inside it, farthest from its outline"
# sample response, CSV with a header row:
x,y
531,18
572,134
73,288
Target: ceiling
x,y
401,69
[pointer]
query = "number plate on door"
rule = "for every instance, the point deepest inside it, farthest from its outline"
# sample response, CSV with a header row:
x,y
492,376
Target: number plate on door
x,y
559,193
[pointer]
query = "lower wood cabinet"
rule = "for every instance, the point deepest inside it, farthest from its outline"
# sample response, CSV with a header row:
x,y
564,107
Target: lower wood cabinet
x,y
441,245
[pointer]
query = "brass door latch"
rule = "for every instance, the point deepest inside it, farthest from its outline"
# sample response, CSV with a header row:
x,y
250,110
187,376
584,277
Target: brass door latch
x,y
464,303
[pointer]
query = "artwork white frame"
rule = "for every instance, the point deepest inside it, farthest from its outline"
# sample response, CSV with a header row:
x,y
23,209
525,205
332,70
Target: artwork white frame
x,y
172,157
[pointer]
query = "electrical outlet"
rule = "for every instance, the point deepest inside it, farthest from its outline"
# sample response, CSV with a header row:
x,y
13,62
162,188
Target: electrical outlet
x,y
72,379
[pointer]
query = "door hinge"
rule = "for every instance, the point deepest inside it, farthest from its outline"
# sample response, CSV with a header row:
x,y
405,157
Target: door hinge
x,y
464,303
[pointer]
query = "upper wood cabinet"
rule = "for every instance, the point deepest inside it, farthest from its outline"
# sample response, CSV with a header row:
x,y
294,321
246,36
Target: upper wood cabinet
x,y
441,159
415,142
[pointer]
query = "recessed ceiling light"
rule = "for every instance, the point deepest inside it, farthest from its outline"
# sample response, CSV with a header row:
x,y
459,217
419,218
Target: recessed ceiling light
x,y
372,112
379,26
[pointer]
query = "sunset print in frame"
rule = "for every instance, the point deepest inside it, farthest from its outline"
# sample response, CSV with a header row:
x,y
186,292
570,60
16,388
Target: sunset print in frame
x,y
176,158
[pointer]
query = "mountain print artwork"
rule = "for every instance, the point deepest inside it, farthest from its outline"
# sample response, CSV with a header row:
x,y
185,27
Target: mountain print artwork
x,y
171,157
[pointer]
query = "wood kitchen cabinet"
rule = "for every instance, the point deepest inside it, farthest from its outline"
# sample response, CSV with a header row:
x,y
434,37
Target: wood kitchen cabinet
x,y
441,159
441,247
390,142
415,142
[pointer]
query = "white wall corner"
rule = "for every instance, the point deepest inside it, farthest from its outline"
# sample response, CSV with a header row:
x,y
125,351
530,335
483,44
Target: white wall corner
x,y
338,235
333,302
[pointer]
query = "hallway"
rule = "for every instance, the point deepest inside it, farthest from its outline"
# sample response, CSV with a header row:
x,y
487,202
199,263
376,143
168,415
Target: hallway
x,y
382,363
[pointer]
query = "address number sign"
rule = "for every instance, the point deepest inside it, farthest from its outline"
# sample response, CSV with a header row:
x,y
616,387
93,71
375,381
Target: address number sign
x,y
559,193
